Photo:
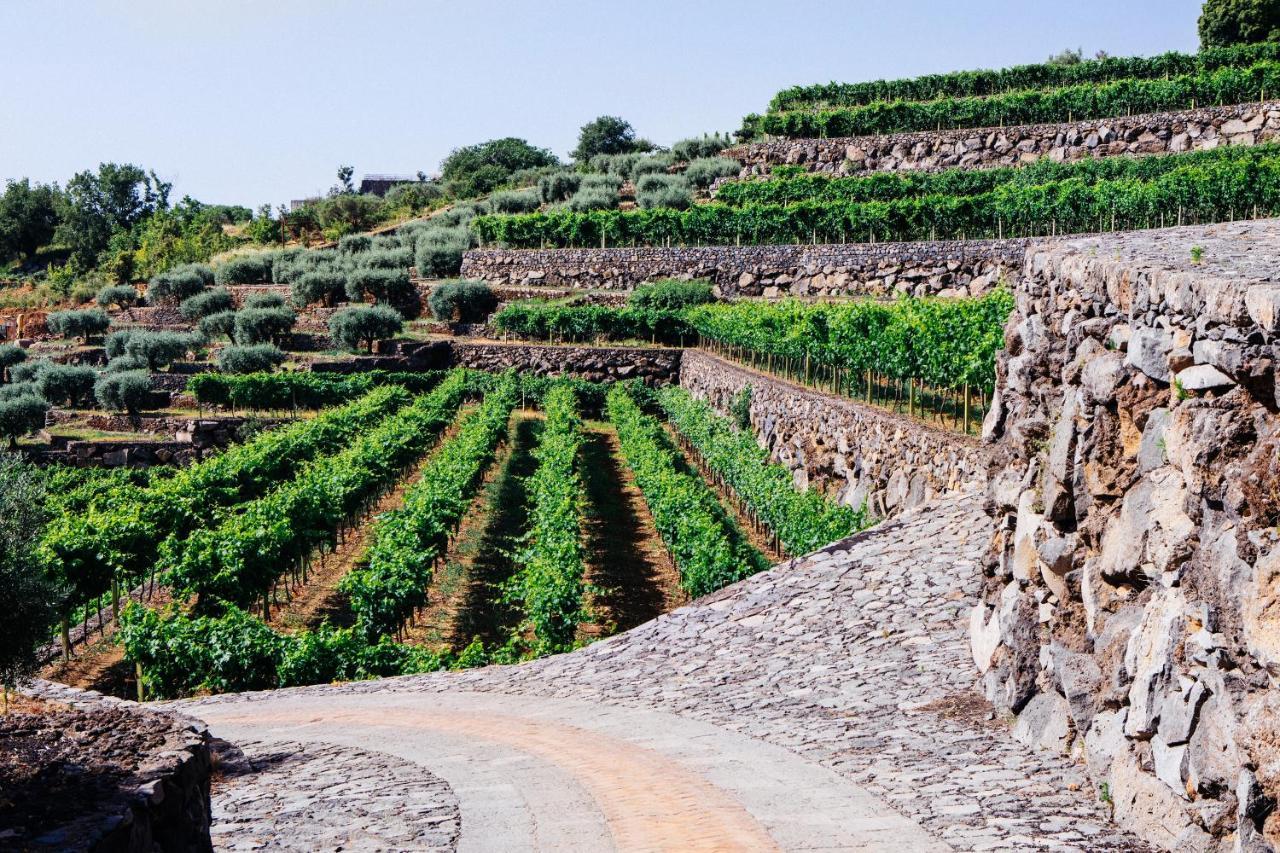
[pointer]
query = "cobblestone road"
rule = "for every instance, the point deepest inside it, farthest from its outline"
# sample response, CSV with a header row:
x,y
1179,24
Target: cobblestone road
x,y
826,704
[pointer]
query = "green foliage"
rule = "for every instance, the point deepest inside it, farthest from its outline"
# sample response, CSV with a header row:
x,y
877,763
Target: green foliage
x,y
245,269
671,294
415,196
256,358
650,165
385,286
97,205
802,521
707,548
1081,101
28,370
592,198
660,191
740,408
703,173
66,384
263,325
478,169
28,218
83,324
438,250
407,542
386,258
323,286
189,232
179,283
264,300
120,295
281,391
28,594
124,363
156,349
698,147
550,322
548,583
219,325
1018,78
207,302
1226,23
515,201
353,243
11,355
948,343
604,135
462,300
124,391
20,415
353,328
558,186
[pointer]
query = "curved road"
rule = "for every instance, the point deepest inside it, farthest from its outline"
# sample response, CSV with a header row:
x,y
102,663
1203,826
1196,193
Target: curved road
x,y
827,704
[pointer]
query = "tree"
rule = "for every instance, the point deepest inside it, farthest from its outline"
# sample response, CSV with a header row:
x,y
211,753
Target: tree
x,y
353,328
10,355
20,416
1227,22
121,295
28,218
478,169
607,135
29,596
127,391
96,206
467,301
345,186
79,324
257,358
1067,57
263,325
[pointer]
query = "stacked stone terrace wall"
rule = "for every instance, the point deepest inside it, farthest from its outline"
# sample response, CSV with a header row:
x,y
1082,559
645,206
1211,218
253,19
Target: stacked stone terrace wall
x,y
595,364
943,268
852,452
1133,594
1156,133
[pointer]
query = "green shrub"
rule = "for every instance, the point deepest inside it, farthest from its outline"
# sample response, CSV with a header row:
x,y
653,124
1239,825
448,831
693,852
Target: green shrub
x,y
465,301
593,198
604,183
170,288
263,325
515,201
416,195
125,391
125,363
439,251
353,328
352,243
203,304
158,349
21,416
619,165
257,358
27,371
672,295
703,173
220,325
323,286
698,147
387,287
10,355
662,192
123,295
558,186
245,269
264,300
740,408
14,390
85,324
29,594
386,259
657,164
66,384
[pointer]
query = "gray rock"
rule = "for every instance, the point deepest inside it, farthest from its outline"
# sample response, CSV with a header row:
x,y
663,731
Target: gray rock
x,y
1149,352
1149,660
1171,765
1179,713
1203,377
1151,453
1045,722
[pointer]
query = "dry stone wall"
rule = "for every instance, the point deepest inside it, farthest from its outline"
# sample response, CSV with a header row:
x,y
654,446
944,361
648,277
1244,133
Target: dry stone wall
x,y
852,452
1157,133
1132,606
943,268
595,364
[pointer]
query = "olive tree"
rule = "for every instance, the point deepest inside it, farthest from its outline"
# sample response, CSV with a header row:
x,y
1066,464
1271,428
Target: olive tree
x,y
120,295
353,328
21,415
257,358
82,324
209,302
10,356
127,391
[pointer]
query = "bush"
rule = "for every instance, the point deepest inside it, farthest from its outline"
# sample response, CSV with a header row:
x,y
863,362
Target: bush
x,y
27,371
697,148
386,259
415,196
220,325
1224,23
513,201
439,251
593,198
66,385
385,286
323,286
609,183
467,301
125,391
203,304
658,164
663,192
123,295
258,358
264,300
170,288
352,243
85,324
671,295
352,328
558,186
21,416
10,355
245,269
158,349
125,363
28,593
703,173
14,390
263,325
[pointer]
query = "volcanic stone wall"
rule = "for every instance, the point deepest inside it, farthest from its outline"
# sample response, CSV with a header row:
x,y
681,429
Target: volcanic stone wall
x,y
1133,594
854,453
1155,133
943,268
595,364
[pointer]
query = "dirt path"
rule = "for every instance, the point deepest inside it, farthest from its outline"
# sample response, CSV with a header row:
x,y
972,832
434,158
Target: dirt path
x,y
101,665
627,563
465,600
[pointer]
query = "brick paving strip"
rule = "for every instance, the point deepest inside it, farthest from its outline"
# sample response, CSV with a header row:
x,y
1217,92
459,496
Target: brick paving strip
x,y
828,703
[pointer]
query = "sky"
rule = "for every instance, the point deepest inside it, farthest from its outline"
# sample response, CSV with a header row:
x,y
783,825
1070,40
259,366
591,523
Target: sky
x,y
259,101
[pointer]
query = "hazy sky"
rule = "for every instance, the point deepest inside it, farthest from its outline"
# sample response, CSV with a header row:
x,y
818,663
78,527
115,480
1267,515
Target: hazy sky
x,y
252,101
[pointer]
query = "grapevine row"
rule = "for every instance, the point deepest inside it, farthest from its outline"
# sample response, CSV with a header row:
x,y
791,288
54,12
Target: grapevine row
x,y
407,542
708,549
801,521
549,581
238,561
290,391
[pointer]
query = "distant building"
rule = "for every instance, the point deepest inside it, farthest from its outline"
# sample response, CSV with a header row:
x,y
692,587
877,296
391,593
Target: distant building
x,y
380,185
